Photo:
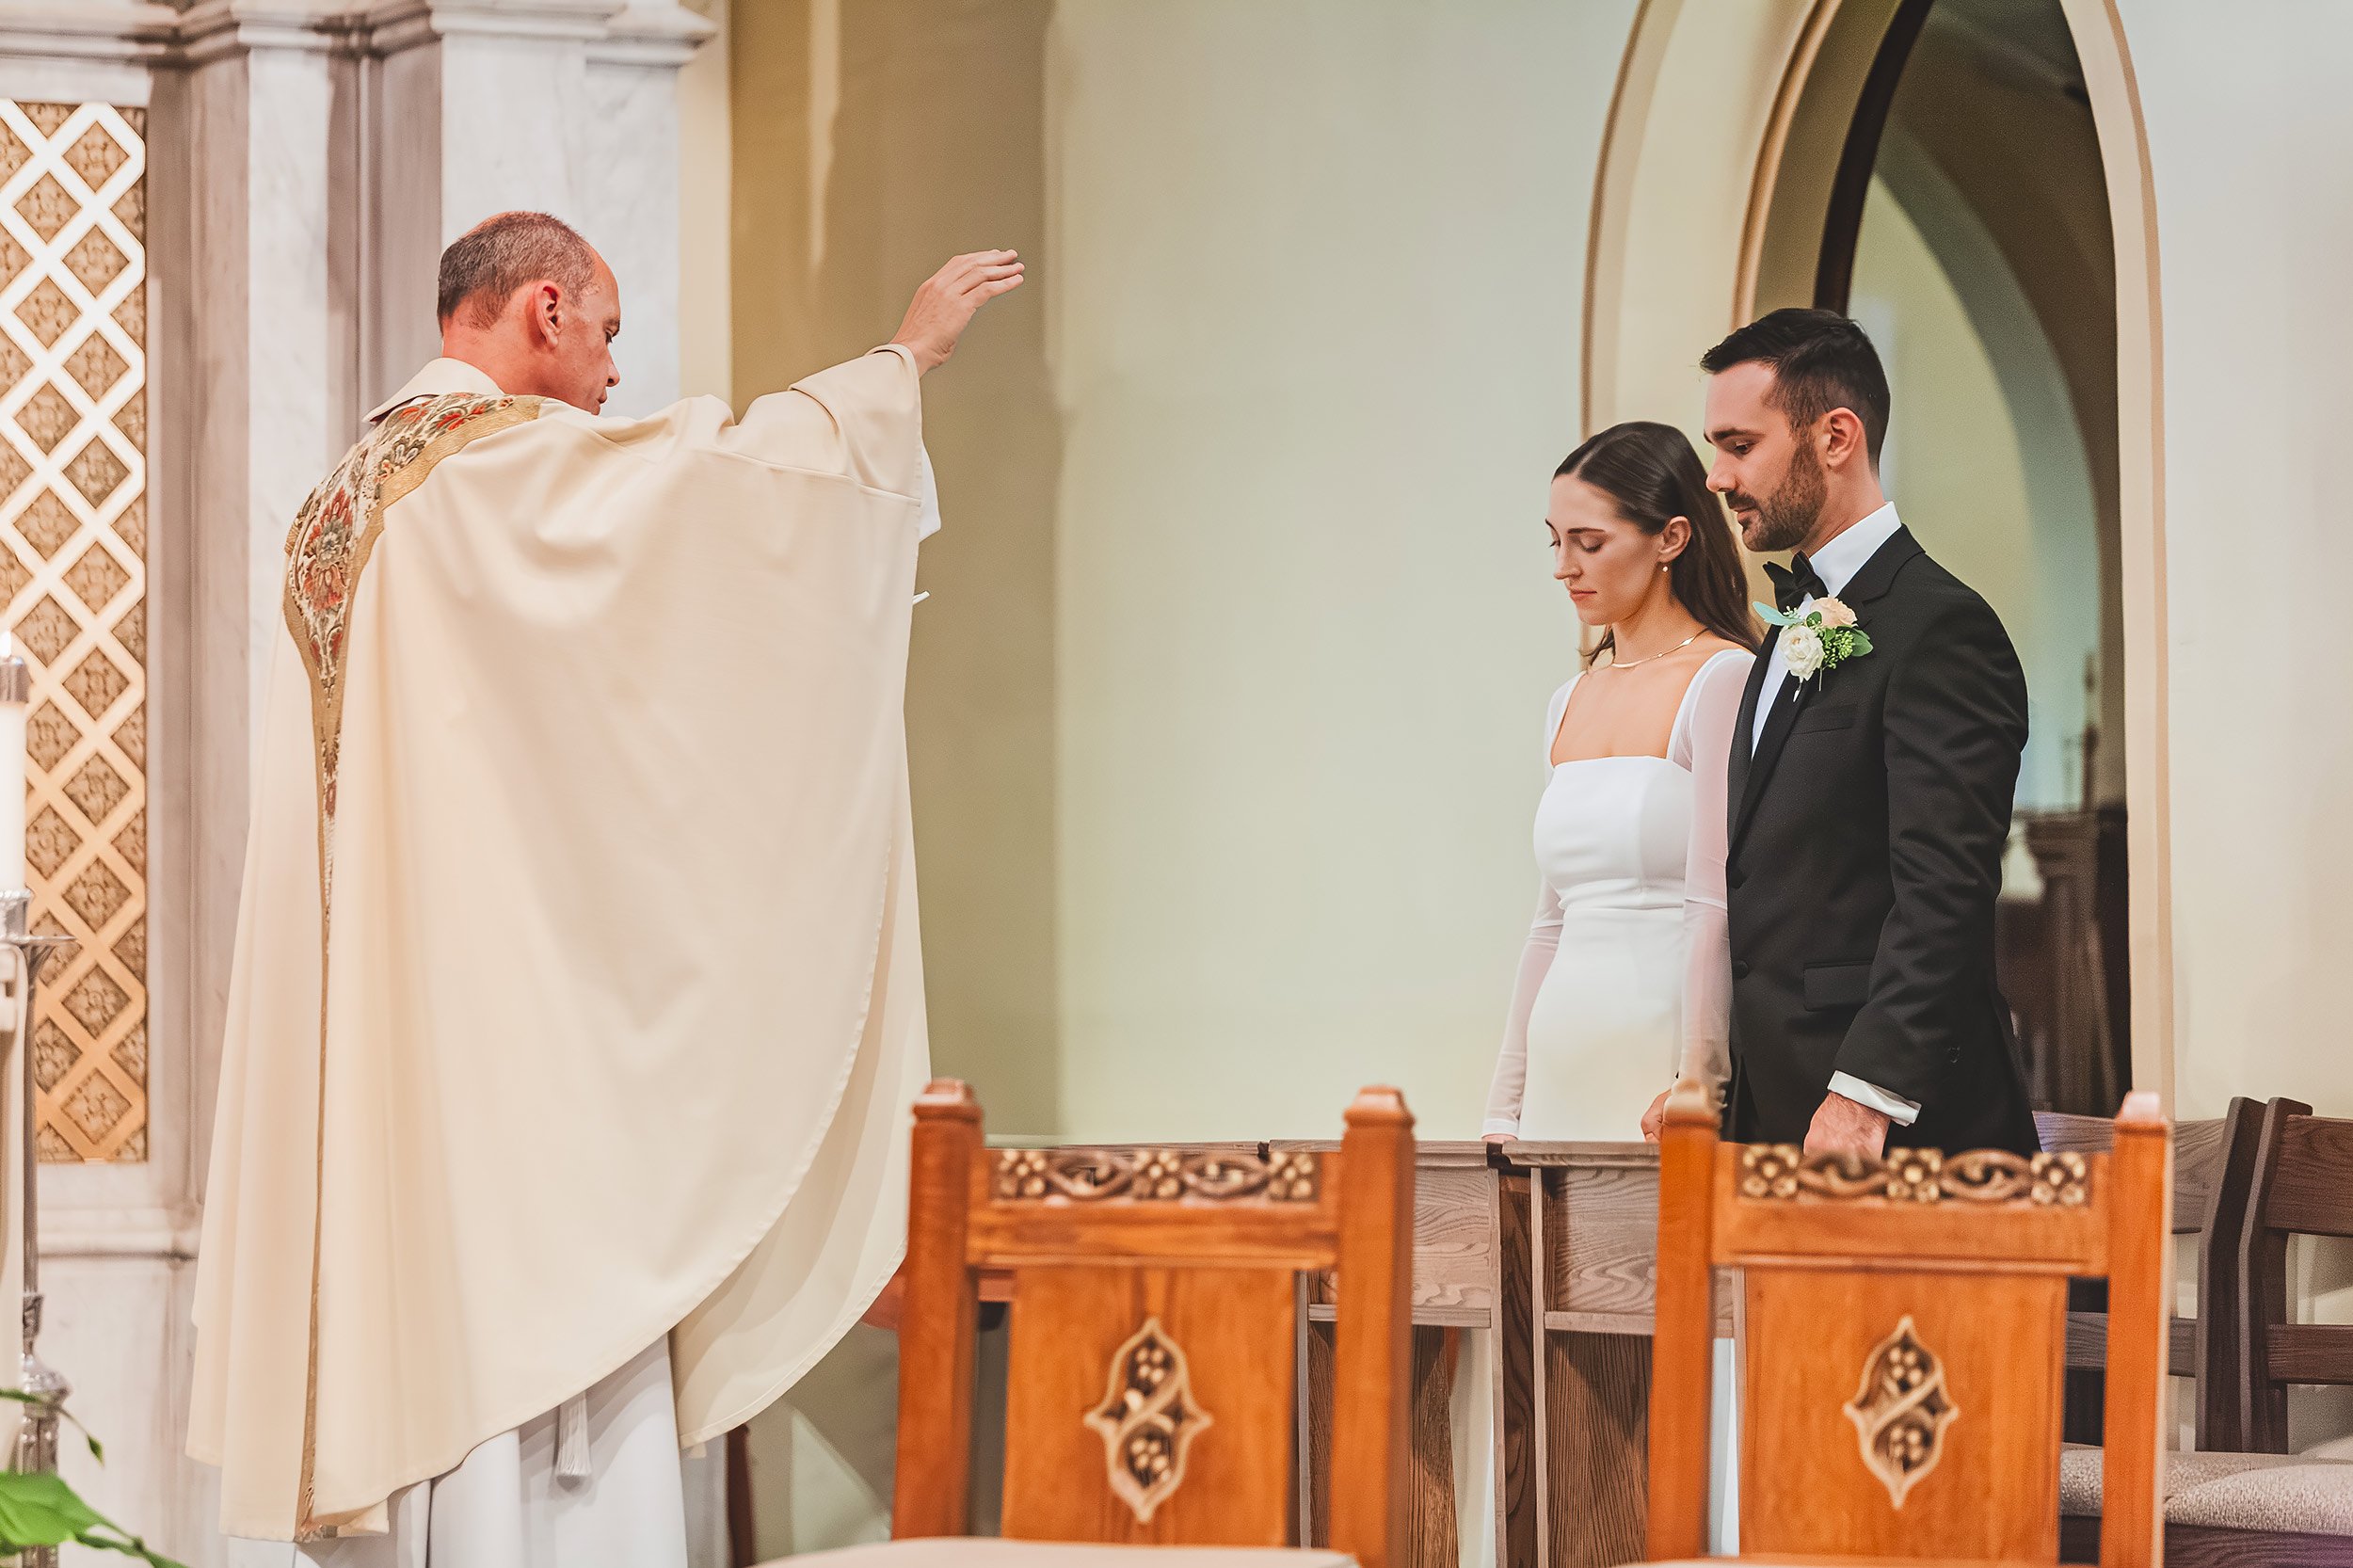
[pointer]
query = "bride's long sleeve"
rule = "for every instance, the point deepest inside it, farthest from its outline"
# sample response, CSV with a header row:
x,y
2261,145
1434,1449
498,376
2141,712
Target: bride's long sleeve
x,y
1709,740
1544,940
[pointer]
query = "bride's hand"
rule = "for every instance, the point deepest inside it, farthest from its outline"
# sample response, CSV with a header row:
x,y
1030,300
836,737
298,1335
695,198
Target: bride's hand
x,y
1655,1119
1496,1140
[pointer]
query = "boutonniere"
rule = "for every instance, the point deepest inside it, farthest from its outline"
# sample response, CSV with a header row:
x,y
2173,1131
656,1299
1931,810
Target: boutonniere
x,y
1819,639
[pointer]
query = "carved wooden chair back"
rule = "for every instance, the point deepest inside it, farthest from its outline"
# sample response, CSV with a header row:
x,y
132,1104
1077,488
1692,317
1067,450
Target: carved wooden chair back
x,y
2303,1187
1149,1395
2214,1173
1904,1329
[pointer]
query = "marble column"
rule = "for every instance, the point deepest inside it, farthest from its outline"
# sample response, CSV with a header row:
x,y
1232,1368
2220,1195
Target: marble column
x,y
567,107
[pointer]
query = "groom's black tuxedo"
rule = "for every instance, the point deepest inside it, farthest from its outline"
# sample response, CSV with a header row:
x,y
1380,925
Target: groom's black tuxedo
x,y
1865,856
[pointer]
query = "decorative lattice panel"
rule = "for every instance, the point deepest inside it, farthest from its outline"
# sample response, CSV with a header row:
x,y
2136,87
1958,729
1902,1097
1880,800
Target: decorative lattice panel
x,y
73,576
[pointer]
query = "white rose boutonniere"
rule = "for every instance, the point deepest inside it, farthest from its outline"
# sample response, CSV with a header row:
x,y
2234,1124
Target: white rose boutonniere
x,y
1802,647
1818,639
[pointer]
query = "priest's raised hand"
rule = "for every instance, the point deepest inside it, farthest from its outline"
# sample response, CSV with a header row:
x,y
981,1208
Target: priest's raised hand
x,y
945,305
577,999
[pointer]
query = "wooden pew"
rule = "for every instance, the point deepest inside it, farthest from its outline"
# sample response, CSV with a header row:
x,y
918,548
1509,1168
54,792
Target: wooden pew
x,y
1471,1271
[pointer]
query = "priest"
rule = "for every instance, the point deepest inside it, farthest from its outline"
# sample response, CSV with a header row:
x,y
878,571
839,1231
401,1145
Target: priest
x,y
577,1002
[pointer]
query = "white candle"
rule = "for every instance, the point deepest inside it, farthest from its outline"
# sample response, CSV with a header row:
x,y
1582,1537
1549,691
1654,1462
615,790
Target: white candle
x,y
15,689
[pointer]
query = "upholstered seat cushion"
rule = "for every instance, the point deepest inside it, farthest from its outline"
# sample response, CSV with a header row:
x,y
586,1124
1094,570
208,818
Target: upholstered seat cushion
x,y
2244,1491
964,1552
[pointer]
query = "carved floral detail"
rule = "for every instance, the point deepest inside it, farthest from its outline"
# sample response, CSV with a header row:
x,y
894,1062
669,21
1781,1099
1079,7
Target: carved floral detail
x,y
1153,1176
1147,1420
1901,1411
1783,1171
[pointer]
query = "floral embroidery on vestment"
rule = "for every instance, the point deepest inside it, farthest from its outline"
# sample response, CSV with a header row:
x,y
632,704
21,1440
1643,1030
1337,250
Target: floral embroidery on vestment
x,y
327,547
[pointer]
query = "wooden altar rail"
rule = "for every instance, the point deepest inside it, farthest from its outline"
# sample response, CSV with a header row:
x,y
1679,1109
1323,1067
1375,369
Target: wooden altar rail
x,y
1594,1236
1472,1270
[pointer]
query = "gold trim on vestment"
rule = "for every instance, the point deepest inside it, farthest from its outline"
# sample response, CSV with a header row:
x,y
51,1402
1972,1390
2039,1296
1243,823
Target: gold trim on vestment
x,y
327,551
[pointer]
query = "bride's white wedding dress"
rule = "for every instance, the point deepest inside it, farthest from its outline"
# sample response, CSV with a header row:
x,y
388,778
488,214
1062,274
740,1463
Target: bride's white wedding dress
x,y
1626,983
1626,978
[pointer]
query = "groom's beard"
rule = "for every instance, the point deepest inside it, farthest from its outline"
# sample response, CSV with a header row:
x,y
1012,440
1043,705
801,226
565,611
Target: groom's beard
x,y
1785,518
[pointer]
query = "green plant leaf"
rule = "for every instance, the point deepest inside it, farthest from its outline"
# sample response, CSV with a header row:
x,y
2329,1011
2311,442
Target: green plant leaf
x,y
41,1511
20,1397
1862,643
1770,616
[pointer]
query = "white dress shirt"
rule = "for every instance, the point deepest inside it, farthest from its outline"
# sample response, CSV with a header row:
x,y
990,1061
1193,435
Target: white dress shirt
x,y
1836,564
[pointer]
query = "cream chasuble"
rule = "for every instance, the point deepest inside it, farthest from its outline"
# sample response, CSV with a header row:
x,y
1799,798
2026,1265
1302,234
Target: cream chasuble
x,y
577,996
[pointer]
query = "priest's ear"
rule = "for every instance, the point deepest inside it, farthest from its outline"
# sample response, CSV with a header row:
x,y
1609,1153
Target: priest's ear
x,y
547,307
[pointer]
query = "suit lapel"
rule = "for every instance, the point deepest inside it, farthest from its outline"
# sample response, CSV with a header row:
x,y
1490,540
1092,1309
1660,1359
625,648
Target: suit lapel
x,y
1744,731
1749,781
1786,702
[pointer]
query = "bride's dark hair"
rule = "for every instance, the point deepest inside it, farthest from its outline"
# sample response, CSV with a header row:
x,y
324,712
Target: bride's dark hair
x,y
1652,477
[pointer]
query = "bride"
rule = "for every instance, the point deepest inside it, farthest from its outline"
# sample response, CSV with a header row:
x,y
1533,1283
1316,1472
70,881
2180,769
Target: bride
x,y
1626,979
1626,982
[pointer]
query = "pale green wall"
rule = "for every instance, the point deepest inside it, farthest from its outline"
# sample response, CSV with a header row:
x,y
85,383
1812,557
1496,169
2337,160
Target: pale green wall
x,y
1316,304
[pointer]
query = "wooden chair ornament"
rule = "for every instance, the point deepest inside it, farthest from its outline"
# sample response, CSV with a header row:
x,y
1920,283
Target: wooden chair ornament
x,y
1905,1327
1151,1377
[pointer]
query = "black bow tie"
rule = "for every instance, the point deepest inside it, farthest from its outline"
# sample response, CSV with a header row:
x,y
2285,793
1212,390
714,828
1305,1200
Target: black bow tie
x,y
1794,583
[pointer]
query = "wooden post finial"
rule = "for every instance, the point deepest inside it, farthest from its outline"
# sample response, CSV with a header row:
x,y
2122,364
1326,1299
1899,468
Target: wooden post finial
x,y
947,1099
1378,1105
1690,1101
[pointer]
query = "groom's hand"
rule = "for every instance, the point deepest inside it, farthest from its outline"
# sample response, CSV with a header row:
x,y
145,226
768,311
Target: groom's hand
x,y
1843,1125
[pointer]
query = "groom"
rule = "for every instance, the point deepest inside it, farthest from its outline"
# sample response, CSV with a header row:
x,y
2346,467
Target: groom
x,y
1870,801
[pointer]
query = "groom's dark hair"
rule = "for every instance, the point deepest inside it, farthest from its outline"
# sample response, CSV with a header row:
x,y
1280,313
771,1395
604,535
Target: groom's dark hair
x,y
1820,360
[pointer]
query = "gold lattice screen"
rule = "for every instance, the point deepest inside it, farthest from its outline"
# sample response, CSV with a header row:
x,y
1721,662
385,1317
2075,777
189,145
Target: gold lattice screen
x,y
73,576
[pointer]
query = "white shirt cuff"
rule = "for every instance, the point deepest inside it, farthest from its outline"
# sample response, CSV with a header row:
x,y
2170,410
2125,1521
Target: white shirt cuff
x,y
1497,1125
1896,1108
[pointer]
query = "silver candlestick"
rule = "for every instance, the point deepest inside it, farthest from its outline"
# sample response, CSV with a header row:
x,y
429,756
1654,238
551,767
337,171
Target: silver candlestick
x,y
44,1390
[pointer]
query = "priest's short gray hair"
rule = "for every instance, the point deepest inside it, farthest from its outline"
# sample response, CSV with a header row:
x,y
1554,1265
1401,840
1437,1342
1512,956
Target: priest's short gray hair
x,y
483,267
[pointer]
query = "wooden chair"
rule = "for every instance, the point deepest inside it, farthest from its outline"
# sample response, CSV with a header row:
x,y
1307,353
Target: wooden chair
x,y
1905,1328
2214,1172
2226,1507
2265,1505
1151,1386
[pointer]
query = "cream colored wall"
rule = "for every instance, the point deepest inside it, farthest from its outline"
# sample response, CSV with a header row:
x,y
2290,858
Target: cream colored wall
x,y
2247,138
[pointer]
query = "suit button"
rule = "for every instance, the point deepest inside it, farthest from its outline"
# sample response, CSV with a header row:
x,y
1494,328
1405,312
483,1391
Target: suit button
x,y
1739,969
1735,877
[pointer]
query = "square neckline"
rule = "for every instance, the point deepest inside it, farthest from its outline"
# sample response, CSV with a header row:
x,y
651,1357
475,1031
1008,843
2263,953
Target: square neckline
x,y
1683,714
